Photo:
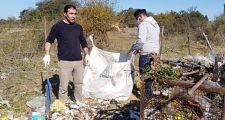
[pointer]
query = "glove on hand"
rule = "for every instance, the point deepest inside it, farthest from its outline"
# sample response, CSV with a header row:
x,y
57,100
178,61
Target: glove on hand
x,y
46,60
87,57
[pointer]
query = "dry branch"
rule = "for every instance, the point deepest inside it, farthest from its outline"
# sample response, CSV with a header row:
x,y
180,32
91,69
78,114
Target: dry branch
x,y
190,92
190,73
185,84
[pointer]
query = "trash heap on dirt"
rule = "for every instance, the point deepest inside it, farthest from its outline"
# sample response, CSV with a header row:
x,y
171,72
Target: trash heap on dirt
x,y
175,91
96,109
89,109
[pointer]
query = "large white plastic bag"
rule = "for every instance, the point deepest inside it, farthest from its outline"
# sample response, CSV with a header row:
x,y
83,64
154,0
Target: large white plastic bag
x,y
108,75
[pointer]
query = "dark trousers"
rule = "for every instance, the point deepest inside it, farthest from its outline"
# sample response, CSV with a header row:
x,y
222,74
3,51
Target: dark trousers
x,y
145,62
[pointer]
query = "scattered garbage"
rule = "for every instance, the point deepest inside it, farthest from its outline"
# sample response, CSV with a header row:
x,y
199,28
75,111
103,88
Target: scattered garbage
x,y
4,102
87,117
21,118
37,104
36,116
211,83
57,106
192,71
3,76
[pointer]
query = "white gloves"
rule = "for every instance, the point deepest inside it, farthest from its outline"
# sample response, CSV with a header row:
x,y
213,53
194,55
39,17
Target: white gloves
x,y
46,60
87,57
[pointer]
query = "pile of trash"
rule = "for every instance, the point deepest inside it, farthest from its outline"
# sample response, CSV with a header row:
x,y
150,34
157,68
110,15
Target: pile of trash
x,y
94,109
177,102
88,109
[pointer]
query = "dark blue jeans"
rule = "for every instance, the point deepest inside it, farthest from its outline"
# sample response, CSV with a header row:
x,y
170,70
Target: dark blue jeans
x,y
144,62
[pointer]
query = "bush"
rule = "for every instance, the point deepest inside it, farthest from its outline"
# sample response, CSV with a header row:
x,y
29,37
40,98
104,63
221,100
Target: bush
x,y
97,18
164,72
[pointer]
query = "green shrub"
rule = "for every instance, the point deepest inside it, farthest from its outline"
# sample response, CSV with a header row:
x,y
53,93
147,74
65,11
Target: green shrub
x,y
166,72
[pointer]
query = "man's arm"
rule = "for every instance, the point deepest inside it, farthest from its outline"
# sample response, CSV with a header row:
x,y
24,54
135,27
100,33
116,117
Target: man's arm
x,y
83,42
47,48
85,50
48,43
142,34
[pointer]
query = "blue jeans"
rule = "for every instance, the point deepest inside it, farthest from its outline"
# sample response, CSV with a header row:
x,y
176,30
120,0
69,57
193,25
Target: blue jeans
x,y
144,61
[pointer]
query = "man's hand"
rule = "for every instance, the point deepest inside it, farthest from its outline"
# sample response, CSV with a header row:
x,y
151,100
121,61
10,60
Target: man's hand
x,y
87,57
134,52
46,60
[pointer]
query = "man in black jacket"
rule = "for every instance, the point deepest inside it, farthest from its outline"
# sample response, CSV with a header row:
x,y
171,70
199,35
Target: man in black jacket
x,y
70,39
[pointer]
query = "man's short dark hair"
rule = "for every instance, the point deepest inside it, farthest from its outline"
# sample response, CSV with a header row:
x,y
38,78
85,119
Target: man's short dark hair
x,y
67,7
138,12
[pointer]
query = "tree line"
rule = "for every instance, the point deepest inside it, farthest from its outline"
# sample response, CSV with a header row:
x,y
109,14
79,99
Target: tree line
x,y
98,16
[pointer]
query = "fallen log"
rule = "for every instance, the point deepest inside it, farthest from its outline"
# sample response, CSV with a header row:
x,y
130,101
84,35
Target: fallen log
x,y
184,84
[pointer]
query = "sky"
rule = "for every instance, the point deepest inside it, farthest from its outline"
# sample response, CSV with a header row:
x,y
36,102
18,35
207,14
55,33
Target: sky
x,y
211,8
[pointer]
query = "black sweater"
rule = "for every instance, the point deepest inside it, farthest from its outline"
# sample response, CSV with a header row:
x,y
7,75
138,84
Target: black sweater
x,y
70,40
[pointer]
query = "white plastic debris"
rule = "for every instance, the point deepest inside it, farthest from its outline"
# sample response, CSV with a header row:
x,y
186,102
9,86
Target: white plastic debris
x,y
4,76
10,115
151,112
4,102
204,102
87,117
167,92
156,92
36,102
206,116
56,116
211,83
207,61
75,106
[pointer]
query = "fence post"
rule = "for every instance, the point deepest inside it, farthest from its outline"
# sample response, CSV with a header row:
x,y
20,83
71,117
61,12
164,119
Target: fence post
x,y
189,49
224,107
161,42
45,27
207,40
142,98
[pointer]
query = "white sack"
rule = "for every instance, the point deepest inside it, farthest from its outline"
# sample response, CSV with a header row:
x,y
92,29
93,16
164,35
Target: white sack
x,y
108,75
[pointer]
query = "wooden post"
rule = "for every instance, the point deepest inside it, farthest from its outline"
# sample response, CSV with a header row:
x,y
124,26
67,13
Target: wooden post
x,y
188,37
20,44
161,42
216,70
207,40
45,27
142,99
223,107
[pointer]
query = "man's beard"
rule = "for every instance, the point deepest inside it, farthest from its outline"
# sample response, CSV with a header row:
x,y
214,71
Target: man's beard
x,y
70,21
